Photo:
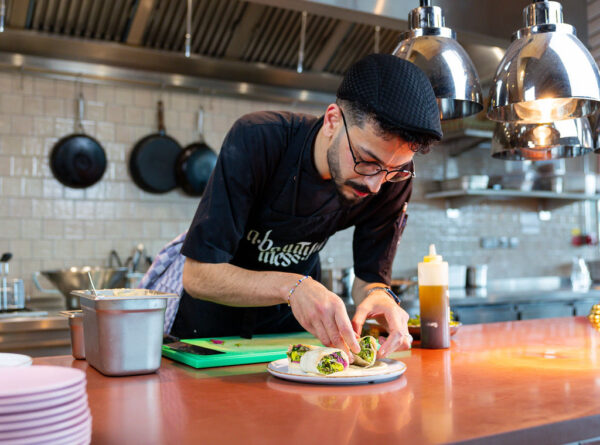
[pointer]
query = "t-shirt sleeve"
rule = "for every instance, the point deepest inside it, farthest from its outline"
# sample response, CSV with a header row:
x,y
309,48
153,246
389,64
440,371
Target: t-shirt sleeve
x,y
238,178
377,236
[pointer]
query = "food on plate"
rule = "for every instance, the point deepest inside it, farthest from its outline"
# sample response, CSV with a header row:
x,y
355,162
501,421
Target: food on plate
x,y
416,321
295,353
368,352
324,361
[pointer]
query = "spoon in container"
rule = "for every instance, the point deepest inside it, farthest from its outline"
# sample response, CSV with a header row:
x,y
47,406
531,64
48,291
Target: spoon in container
x,y
92,283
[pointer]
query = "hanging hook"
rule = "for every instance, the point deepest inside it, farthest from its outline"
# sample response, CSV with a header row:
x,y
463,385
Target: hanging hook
x,y
188,30
300,67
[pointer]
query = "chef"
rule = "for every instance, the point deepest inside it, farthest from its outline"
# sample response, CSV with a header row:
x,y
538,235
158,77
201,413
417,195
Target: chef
x,y
283,184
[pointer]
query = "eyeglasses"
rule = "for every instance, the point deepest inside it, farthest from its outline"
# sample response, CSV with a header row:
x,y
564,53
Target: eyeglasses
x,y
366,168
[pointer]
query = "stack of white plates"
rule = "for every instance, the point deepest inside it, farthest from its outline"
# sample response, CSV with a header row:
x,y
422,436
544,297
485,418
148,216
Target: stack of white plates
x,y
44,405
14,360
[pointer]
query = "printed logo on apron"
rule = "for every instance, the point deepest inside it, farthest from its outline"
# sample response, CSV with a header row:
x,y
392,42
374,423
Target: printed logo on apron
x,y
282,256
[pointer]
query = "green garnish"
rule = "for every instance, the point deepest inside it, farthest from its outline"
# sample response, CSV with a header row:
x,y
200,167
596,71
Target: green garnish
x,y
329,365
366,350
296,353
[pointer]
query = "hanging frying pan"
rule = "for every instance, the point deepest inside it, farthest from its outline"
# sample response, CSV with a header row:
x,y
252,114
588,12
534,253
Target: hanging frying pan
x,y
78,160
153,158
195,163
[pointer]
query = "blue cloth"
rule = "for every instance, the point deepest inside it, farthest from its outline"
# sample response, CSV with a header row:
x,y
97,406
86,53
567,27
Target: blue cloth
x,y
165,275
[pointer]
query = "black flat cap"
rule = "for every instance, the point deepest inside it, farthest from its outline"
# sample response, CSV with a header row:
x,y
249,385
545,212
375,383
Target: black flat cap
x,y
396,91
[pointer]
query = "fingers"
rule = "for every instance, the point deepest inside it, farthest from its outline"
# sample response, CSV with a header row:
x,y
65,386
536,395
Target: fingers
x,y
359,318
344,327
319,331
396,341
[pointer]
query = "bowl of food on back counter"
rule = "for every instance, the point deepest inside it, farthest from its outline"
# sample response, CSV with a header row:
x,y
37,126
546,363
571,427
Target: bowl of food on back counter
x,y
73,278
414,327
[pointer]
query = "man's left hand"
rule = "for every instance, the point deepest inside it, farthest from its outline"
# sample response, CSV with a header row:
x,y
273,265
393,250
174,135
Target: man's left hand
x,y
379,306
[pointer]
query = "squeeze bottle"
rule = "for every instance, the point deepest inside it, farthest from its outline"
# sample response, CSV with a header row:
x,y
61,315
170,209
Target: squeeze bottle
x,y
433,298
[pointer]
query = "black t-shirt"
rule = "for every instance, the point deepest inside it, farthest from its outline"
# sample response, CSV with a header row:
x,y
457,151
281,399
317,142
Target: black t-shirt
x,y
264,210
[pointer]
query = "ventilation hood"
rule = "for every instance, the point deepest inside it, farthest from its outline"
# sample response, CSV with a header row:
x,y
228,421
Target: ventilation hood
x,y
240,47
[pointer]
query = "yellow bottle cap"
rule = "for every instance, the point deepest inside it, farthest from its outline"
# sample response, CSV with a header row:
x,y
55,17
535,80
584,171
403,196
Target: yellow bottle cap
x,y
433,257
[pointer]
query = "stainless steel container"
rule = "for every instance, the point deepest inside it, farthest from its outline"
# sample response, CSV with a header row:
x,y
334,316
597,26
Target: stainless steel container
x,y
477,275
123,330
77,337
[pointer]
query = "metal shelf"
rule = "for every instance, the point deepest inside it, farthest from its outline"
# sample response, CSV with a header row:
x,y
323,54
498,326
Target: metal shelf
x,y
548,200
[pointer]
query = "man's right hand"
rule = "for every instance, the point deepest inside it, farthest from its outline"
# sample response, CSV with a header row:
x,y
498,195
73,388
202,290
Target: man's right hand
x,y
323,314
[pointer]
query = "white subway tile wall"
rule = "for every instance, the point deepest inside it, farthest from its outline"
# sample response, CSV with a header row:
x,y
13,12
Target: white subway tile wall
x,y
46,225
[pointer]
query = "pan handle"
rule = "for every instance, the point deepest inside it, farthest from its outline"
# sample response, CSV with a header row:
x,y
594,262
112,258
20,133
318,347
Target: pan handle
x,y
201,124
80,111
161,117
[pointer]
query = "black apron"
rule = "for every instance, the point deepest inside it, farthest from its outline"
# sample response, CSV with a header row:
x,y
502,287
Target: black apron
x,y
278,238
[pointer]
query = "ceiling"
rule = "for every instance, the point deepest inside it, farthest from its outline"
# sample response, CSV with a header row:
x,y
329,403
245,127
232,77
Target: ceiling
x,y
238,44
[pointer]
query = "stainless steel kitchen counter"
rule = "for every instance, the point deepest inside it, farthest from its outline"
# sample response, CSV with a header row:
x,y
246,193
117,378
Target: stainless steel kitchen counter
x,y
35,335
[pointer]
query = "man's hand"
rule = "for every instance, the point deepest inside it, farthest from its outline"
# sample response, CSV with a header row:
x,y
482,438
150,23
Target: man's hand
x,y
323,314
379,306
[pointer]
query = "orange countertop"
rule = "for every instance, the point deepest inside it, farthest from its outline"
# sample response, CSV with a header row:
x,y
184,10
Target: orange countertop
x,y
530,382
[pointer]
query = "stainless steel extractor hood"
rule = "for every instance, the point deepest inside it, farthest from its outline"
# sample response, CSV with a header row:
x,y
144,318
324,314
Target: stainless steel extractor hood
x,y
241,47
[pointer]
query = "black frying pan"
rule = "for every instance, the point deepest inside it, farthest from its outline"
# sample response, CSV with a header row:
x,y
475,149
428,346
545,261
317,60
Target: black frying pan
x,y
78,160
153,158
195,163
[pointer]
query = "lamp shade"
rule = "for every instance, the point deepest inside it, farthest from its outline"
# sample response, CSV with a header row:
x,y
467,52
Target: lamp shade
x,y
434,49
546,74
536,142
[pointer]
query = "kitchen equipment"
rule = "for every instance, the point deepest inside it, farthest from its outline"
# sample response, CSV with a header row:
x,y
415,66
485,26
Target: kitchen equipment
x,y
78,160
13,294
123,329
77,335
238,351
468,182
195,163
580,275
433,47
153,158
67,280
477,275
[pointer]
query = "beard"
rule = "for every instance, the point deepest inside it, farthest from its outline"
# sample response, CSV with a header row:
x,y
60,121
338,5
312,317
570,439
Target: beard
x,y
341,184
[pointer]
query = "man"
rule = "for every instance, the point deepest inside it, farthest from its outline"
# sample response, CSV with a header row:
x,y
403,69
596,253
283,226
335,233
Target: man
x,y
283,184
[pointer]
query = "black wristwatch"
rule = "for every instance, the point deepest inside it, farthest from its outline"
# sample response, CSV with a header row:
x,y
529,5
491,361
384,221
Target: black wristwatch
x,y
389,291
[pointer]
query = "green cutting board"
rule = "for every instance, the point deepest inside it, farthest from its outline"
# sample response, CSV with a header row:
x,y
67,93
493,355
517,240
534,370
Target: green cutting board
x,y
240,351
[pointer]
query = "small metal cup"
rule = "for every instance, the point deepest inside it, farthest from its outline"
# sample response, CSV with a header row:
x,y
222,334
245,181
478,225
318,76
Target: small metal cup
x,y
77,338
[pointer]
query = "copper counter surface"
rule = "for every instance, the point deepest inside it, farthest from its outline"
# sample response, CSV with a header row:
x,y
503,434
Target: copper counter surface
x,y
534,382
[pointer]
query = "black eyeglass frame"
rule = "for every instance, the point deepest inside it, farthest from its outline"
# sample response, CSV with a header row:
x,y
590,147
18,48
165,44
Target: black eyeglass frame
x,y
388,178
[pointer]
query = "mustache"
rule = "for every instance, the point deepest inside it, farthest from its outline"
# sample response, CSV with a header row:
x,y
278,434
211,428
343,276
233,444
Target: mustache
x,y
359,187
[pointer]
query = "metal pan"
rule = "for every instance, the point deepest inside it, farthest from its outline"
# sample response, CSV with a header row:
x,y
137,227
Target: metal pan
x,y
78,160
153,158
195,163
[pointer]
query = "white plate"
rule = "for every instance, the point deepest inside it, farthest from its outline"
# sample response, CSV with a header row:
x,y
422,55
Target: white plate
x,y
383,370
43,404
14,360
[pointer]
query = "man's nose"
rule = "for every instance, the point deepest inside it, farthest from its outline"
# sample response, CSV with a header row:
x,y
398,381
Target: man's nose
x,y
374,182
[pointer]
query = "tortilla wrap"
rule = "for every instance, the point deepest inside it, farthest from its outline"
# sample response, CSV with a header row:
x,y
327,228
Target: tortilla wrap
x,y
368,352
324,361
295,353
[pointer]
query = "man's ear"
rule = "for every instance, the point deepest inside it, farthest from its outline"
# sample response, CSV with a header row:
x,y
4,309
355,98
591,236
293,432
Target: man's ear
x,y
331,120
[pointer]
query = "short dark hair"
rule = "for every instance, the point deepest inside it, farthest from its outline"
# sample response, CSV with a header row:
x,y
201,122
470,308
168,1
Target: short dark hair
x,y
358,115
